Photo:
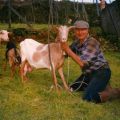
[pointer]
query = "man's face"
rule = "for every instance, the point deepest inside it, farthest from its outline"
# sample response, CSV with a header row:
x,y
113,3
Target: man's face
x,y
81,33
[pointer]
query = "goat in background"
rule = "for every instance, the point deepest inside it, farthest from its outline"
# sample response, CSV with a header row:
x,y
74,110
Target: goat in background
x,y
12,56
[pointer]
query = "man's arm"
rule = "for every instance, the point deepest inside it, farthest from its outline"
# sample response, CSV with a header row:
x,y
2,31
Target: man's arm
x,y
76,58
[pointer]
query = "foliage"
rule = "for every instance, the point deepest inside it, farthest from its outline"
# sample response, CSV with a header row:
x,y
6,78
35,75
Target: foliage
x,y
113,39
38,12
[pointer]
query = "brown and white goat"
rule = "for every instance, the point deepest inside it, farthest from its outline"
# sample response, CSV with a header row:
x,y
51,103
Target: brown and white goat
x,y
37,55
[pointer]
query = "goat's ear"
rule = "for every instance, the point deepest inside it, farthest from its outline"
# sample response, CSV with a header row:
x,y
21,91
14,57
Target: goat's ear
x,y
9,32
71,28
57,28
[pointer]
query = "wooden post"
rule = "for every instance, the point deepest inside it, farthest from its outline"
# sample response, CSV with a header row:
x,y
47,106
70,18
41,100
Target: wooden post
x,y
9,14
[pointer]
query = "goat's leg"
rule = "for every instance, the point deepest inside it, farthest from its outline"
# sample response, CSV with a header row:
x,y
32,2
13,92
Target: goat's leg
x,y
60,70
22,71
11,64
23,77
19,72
12,69
54,79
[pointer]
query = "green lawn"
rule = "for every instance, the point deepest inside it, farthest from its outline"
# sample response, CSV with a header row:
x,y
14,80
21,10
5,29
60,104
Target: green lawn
x,y
34,101
20,25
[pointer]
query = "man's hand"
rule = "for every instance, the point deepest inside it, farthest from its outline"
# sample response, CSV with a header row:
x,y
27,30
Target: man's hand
x,y
76,58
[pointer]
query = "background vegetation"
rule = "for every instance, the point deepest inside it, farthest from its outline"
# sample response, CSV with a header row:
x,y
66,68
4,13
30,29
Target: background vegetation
x,y
37,12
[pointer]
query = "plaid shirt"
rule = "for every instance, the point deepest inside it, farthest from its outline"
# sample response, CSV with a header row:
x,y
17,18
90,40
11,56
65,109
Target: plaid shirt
x,y
90,53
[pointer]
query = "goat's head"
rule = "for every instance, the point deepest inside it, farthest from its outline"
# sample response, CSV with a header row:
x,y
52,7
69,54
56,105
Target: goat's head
x,y
4,35
63,32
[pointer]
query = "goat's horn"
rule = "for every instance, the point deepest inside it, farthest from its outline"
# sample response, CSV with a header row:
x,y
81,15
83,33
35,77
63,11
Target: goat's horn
x,y
56,28
71,27
10,32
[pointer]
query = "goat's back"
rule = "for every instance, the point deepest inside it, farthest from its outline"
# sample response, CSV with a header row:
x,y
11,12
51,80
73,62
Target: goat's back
x,y
28,48
38,55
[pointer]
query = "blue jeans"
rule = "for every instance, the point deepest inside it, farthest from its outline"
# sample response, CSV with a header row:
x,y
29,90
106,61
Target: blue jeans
x,y
92,84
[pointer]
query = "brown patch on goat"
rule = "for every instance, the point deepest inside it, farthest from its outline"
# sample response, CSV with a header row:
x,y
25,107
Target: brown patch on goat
x,y
56,55
37,55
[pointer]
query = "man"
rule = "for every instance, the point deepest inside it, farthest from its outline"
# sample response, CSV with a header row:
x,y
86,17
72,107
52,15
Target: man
x,y
95,69
102,4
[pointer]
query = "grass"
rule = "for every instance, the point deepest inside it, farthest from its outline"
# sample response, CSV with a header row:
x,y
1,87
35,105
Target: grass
x,y
21,25
33,101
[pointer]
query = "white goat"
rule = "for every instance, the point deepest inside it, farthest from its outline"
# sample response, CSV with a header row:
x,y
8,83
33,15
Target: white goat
x,y
4,36
36,55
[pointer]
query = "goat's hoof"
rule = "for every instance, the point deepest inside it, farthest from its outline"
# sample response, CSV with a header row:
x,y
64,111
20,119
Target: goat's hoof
x,y
69,91
55,89
51,88
24,81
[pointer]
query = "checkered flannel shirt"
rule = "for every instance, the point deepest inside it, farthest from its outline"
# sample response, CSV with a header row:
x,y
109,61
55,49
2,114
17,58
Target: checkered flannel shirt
x,y
90,53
